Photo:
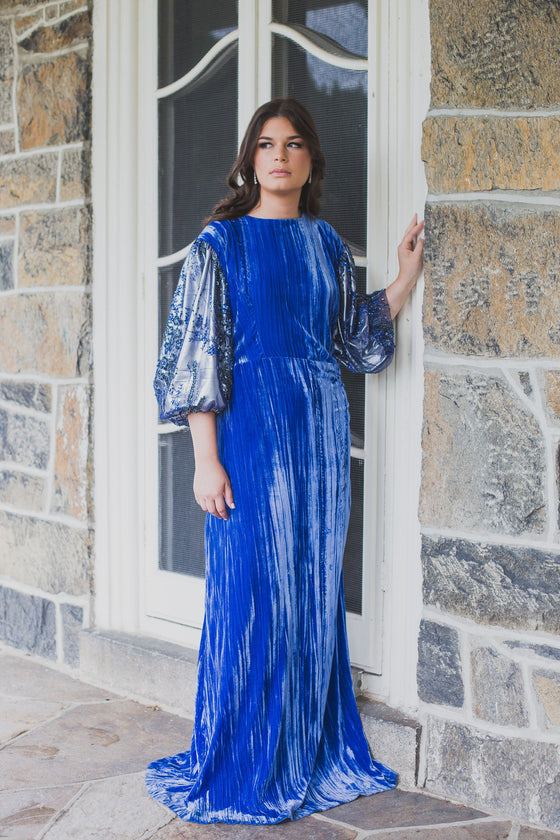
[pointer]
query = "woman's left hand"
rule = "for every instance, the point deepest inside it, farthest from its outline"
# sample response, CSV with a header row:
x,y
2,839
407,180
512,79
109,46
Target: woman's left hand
x,y
410,254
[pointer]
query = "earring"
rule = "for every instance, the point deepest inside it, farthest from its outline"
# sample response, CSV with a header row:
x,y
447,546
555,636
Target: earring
x,y
310,174
255,177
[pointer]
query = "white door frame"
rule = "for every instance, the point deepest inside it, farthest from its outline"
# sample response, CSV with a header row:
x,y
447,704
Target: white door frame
x,y
123,403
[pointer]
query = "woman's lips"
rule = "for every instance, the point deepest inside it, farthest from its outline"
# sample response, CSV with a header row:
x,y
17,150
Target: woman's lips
x,y
280,172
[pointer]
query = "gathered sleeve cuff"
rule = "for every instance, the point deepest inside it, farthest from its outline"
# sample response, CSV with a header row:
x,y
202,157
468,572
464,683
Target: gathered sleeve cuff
x,y
364,338
195,367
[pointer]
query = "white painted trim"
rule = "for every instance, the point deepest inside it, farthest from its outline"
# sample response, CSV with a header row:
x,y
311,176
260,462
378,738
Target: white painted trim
x,y
115,293
171,259
340,60
405,58
200,67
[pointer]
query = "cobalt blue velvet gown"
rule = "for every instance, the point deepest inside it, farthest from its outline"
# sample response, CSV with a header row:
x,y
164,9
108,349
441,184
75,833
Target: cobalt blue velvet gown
x,y
263,312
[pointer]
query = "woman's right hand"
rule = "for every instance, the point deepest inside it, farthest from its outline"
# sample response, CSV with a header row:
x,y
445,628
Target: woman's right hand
x,y
212,487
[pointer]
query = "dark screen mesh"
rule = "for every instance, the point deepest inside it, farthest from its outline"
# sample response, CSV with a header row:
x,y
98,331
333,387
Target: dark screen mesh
x,y
337,99
345,23
186,31
353,552
181,521
197,146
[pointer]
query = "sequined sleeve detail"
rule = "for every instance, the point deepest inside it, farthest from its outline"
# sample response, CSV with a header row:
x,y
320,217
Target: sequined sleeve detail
x,y
364,335
195,368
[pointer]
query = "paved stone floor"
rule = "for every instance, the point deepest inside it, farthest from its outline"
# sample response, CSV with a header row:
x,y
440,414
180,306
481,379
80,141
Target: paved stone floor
x,y
72,761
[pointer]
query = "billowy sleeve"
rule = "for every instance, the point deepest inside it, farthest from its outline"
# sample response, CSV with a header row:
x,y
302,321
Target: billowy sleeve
x,y
195,367
364,338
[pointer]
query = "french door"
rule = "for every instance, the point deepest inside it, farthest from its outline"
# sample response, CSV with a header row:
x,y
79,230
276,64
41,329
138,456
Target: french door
x,y
211,65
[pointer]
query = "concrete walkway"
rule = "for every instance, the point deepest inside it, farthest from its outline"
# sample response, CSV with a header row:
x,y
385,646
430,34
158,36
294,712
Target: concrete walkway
x,y
72,761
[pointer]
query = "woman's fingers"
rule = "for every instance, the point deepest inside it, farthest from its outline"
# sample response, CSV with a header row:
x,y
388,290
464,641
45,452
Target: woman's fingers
x,y
229,496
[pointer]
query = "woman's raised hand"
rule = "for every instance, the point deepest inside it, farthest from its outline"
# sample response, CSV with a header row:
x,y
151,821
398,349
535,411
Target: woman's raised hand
x,y
212,488
410,254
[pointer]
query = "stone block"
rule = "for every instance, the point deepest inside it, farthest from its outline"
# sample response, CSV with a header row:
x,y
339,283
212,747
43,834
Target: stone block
x,y
72,470
494,830
66,33
307,828
505,586
28,622
394,739
7,142
48,555
528,833
484,463
546,651
498,692
465,154
547,689
502,297
6,72
112,809
75,174
24,440
500,773
27,21
24,814
25,679
46,333
72,623
90,742
8,5
552,395
21,490
54,247
70,6
6,265
28,394
394,809
53,101
495,54
7,225
28,180
160,672
439,674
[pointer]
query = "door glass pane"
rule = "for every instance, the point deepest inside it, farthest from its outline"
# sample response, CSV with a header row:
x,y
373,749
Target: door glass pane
x,y
186,31
337,99
197,146
345,23
197,130
181,521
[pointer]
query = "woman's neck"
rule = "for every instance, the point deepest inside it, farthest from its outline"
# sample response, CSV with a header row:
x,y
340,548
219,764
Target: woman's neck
x,y
277,207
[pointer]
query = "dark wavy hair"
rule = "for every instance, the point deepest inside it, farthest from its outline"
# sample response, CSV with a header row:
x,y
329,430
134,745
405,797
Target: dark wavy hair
x,y
246,194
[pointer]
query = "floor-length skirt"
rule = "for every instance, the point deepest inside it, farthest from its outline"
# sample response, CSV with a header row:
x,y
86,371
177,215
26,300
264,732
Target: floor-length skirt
x,y
277,733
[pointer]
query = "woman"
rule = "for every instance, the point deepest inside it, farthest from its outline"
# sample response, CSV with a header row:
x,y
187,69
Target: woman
x,y
264,310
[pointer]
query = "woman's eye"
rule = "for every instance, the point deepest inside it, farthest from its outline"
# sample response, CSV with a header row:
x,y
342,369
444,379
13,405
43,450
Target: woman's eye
x,y
264,144
296,145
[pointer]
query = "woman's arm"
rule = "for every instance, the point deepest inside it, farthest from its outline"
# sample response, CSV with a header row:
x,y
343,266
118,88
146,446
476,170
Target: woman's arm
x,y
410,267
212,488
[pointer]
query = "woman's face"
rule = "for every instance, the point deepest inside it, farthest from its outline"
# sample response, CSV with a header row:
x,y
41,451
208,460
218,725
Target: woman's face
x,y
282,160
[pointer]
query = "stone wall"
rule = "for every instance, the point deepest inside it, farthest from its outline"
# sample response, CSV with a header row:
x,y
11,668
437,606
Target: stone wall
x,y
489,644
45,326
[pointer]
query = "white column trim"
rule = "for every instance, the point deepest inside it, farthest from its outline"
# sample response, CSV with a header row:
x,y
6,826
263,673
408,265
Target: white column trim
x,y
115,295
